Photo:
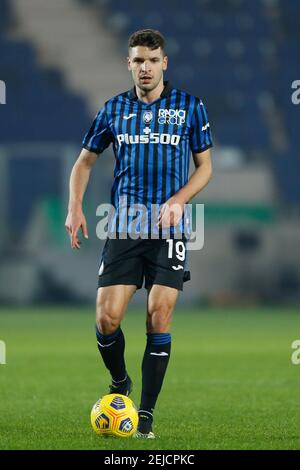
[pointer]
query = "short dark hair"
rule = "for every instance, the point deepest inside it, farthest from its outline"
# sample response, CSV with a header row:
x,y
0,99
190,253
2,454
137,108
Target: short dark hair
x,y
148,38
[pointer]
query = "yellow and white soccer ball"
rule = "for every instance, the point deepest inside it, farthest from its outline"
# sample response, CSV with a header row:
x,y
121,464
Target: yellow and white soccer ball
x,y
114,415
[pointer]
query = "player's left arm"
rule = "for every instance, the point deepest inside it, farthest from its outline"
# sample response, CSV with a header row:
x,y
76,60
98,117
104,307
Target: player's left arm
x,y
199,179
172,210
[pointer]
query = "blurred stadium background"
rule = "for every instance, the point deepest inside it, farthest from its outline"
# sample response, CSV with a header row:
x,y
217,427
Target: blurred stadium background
x,y
61,60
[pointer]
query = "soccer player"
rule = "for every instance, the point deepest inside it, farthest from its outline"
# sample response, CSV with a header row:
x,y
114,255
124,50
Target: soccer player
x,y
154,128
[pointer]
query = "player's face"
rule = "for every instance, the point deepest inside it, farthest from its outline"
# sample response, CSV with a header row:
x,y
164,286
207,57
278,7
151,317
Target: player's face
x,y
147,66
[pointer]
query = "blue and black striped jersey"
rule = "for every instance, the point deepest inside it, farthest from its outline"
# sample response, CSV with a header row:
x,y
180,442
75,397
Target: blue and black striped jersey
x,y
152,143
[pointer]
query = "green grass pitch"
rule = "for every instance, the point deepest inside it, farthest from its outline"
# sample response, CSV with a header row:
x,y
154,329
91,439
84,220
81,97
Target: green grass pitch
x,y
230,382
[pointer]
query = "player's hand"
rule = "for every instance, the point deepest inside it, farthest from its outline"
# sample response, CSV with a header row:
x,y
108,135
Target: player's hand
x,y
74,221
171,212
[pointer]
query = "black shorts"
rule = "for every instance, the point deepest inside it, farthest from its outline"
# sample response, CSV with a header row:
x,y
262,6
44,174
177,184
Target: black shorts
x,y
128,261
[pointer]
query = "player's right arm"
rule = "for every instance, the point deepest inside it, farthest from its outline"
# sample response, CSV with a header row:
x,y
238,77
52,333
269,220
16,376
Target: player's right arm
x,y
78,182
95,141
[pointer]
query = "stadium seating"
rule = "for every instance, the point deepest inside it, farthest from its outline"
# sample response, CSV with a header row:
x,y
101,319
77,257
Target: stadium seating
x,y
215,49
232,53
39,109
288,48
39,105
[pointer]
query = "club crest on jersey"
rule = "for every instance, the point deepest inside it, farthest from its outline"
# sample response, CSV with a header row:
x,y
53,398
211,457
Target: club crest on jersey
x,y
147,117
171,116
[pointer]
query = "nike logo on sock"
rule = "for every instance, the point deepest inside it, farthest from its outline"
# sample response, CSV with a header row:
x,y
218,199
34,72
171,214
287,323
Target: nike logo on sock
x,y
145,416
118,381
159,354
105,345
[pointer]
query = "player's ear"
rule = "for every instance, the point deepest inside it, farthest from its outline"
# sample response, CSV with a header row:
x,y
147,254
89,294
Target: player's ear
x,y
165,62
128,63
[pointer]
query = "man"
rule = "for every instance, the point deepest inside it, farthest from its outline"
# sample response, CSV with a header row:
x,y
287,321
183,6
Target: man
x,y
153,129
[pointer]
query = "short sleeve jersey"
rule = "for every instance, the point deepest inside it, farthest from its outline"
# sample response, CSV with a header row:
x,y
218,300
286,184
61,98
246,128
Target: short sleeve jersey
x,y
152,143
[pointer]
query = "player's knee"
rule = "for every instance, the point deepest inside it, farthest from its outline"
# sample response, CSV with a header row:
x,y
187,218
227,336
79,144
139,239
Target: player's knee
x,y
159,317
107,318
162,308
107,325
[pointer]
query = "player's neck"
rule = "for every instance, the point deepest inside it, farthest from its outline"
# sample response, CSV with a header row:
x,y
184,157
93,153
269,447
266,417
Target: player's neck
x,y
152,95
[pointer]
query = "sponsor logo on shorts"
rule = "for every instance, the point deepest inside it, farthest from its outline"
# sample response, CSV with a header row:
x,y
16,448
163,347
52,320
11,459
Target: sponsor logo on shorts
x,y
176,268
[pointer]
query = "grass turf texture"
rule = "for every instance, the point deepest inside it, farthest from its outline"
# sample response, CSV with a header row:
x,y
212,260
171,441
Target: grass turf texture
x,y
230,382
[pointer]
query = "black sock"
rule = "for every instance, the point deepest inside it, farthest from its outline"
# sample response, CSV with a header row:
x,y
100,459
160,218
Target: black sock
x,y
154,365
111,348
